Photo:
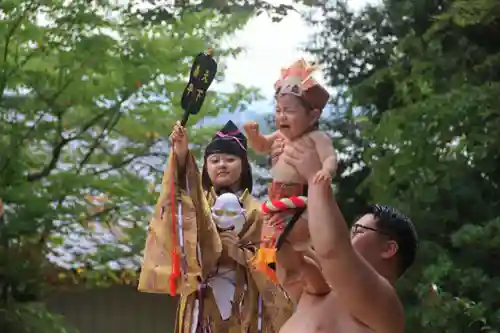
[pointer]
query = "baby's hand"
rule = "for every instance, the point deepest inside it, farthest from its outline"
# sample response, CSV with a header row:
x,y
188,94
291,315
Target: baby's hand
x,y
322,175
251,128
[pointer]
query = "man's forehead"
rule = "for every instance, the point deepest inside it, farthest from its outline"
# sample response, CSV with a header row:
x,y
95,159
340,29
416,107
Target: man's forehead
x,y
367,220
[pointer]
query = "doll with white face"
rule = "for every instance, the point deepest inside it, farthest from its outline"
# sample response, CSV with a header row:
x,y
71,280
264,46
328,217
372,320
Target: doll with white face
x,y
228,213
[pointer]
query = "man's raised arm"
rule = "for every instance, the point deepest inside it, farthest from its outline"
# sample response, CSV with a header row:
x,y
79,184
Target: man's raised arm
x,y
368,296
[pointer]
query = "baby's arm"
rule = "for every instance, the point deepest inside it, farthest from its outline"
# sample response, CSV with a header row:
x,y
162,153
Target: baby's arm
x,y
265,142
327,155
256,140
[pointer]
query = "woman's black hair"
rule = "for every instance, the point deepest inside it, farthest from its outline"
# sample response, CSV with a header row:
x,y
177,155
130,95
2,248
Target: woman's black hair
x,y
246,179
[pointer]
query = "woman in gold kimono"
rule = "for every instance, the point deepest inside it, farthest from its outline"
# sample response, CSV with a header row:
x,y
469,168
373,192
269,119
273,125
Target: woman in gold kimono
x,y
213,241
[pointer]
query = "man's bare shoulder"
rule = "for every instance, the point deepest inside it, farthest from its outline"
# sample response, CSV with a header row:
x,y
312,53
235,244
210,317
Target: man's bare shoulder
x,y
366,294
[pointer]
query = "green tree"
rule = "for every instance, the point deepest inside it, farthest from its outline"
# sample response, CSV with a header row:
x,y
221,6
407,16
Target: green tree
x,y
88,95
421,79
164,11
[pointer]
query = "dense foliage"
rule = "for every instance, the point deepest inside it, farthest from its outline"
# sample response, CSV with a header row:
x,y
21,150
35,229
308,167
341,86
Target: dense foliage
x,y
88,94
418,84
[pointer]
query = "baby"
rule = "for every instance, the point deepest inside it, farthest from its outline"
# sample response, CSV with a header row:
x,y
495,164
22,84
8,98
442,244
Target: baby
x,y
299,103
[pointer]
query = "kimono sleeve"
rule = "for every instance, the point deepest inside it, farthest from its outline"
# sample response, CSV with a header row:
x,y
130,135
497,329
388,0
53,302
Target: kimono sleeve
x,y
179,221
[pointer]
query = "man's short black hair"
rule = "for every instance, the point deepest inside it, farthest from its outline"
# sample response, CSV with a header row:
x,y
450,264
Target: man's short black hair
x,y
400,228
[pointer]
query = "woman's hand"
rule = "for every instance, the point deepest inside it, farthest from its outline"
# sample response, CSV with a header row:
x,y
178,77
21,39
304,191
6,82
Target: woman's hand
x,y
179,140
231,247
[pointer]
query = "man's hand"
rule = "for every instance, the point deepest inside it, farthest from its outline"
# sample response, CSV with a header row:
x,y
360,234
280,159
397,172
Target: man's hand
x,y
302,155
230,245
277,149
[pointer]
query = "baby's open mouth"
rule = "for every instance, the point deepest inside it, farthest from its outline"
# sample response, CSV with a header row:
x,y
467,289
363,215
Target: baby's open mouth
x,y
284,126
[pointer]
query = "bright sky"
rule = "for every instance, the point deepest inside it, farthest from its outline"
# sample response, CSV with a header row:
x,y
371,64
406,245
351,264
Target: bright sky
x,y
269,47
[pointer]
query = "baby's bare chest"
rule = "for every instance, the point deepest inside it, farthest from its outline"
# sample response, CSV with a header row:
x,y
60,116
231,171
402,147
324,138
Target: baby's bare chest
x,y
285,173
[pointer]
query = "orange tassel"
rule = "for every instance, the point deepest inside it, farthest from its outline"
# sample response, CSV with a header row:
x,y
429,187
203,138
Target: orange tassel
x,y
173,288
261,261
176,265
265,256
175,273
271,274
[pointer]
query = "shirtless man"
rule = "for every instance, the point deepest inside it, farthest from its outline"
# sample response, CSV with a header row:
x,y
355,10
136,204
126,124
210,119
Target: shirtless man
x,y
346,284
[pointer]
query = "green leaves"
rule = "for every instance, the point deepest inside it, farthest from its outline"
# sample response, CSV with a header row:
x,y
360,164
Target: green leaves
x,y
88,95
429,86
31,318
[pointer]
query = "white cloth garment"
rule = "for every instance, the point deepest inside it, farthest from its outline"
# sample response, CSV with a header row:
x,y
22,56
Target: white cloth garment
x,y
223,287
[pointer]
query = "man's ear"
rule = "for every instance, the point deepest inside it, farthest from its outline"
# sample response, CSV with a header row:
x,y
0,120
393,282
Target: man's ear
x,y
391,248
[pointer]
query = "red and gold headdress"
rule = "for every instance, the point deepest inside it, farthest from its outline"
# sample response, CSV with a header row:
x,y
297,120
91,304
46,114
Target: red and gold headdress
x,y
297,80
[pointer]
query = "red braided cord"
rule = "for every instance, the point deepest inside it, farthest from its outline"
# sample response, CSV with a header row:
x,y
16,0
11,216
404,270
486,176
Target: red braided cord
x,y
297,202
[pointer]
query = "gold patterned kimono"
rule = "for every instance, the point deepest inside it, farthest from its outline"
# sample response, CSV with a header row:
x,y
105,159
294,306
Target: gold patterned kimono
x,y
257,304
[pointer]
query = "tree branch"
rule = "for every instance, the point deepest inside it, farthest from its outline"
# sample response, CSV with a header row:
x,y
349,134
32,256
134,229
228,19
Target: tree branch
x,y
60,113
110,124
98,139
8,38
26,135
56,151
16,24
125,161
151,168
